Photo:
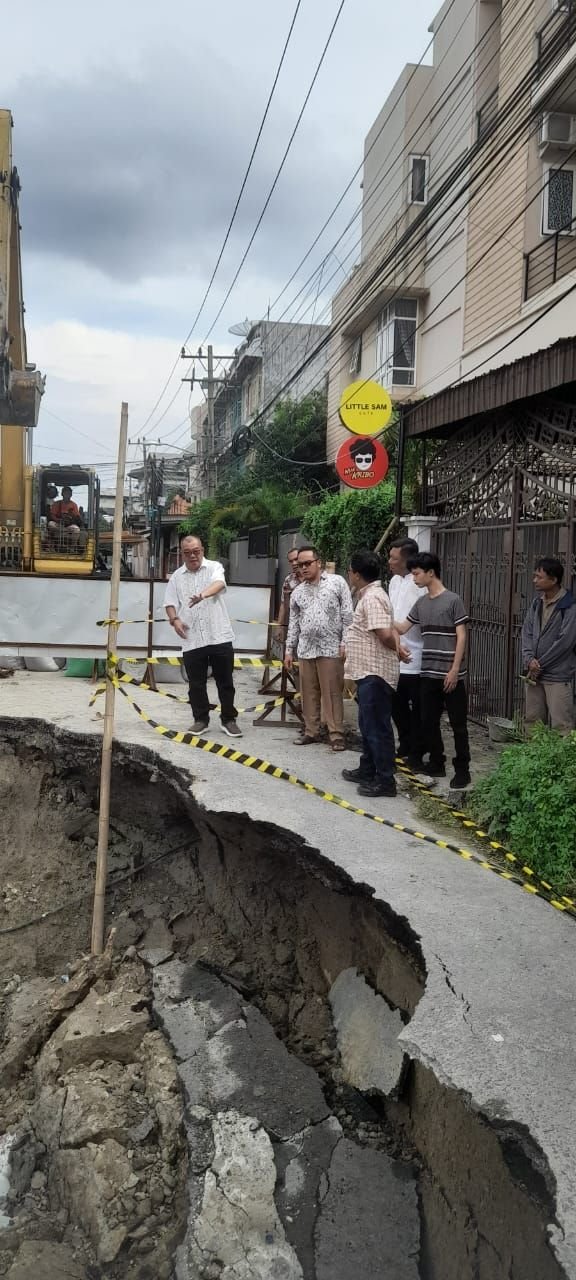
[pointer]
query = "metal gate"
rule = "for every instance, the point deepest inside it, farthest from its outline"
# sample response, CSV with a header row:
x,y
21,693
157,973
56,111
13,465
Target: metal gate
x,y
505,495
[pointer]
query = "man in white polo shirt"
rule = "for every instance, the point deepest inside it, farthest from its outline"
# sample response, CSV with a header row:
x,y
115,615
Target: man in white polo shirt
x,y
403,594
196,610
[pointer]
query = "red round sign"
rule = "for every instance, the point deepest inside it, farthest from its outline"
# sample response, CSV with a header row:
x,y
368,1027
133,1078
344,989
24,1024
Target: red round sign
x,y
362,462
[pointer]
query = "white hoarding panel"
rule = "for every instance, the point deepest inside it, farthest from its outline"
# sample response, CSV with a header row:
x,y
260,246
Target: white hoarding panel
x,y
60,616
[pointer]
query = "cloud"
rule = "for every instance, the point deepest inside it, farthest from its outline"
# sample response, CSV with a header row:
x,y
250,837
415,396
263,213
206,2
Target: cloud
x,y
134,173
89,372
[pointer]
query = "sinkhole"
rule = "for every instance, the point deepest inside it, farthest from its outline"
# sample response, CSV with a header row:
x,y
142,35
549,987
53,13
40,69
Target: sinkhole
x,y
225,1093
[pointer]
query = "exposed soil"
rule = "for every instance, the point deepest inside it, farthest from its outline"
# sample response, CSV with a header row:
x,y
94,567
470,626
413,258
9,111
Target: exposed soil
x,y
279,923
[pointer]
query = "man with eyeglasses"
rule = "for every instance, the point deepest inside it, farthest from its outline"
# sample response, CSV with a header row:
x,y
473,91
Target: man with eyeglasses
x,y
320,612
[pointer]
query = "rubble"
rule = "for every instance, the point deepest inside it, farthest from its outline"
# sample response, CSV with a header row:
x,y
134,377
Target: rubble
x,y
99,1152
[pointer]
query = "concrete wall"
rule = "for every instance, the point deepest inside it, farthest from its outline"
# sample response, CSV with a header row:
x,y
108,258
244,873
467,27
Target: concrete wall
x,y
254,571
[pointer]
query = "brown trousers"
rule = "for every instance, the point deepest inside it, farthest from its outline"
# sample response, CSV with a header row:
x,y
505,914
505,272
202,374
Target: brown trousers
x,y
552,702
321,686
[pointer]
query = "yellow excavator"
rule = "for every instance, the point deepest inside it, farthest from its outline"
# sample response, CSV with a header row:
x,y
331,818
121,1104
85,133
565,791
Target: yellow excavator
x,y
42,530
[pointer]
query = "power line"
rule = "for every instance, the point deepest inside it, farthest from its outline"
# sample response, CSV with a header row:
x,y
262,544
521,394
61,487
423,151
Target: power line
x,y
508,140
280,167
247,173
445,187
397,161
355,174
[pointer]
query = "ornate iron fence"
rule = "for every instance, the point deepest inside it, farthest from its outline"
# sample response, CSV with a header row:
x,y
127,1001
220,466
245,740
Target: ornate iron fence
x,y
504,491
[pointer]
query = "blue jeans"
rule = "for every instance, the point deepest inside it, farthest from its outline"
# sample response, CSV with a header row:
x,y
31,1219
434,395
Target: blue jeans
x,y
375,725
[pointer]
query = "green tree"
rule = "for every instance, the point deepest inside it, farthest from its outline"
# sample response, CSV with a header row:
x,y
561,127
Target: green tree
x,y
344,522
297,432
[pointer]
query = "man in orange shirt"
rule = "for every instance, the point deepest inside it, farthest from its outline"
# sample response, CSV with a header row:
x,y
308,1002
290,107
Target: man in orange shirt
x,y
65,520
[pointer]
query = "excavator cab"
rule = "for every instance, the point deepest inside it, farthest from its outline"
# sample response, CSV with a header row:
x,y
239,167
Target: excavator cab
x,y
66,509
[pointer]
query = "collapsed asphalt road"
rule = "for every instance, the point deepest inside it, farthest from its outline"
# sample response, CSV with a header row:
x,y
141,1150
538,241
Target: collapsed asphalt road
x,y
294,941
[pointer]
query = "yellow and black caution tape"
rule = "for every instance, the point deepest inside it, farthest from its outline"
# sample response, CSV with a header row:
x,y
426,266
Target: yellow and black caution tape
x,y
471,826
175,697
273,771
134,622
128,622
177,662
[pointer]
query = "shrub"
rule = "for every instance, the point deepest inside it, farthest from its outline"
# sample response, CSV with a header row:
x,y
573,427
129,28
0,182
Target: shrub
x,y
344,522
528,803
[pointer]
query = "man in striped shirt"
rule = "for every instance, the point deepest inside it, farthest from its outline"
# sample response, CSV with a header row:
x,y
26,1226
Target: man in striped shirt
x,y
442,619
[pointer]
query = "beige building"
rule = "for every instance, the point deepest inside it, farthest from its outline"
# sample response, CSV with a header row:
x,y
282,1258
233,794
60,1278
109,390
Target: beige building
x,y
469,207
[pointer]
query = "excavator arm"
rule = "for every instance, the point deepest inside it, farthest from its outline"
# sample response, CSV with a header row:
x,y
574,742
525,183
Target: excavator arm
x,y
21,385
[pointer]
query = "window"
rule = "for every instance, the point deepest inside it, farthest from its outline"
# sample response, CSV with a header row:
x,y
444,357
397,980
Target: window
x,y
356,355
558,202
252,393
418,190
487,116
396,343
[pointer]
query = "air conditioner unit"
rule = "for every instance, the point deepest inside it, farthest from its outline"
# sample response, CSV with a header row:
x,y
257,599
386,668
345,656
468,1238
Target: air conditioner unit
x,y
558,130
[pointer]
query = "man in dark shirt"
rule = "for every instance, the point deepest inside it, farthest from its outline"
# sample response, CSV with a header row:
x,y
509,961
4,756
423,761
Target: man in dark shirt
x,y
442,619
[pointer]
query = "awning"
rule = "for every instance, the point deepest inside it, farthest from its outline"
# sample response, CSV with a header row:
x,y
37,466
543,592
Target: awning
x,y
541,371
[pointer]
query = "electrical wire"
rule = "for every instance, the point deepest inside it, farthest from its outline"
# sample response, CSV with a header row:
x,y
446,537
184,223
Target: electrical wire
x,y
111,884
466,163
383,173
247,173
235,209
280,168
522,211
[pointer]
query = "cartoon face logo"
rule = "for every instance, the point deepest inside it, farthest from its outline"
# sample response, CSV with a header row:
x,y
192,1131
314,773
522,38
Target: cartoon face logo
x,y
362,455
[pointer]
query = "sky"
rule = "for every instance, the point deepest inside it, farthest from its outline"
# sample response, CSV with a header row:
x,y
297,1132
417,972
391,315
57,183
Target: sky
x,y
133,125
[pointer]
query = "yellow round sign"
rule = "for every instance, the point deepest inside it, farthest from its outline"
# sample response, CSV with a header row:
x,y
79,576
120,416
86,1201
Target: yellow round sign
x,y
365,408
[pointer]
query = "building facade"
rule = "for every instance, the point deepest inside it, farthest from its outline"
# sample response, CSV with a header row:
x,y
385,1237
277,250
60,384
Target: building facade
x,y
268,363
468,247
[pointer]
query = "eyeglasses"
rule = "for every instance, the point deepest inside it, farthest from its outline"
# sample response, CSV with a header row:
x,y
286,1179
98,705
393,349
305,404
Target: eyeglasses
x,y
305,564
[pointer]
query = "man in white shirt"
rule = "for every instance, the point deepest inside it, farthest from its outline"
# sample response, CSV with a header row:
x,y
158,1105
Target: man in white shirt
x,y
403,594
196,610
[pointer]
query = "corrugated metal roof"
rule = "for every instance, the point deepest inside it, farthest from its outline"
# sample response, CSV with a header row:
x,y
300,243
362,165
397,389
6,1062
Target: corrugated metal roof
x,y
541,371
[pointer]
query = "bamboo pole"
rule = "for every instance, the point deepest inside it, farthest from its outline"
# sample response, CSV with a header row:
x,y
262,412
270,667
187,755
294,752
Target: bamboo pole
x,y
106,765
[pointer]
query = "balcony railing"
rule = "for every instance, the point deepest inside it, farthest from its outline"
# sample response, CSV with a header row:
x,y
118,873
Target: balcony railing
x,y
553,258
556,36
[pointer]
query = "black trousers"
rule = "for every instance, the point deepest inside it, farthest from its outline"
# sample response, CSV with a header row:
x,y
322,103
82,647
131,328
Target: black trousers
x,y
220,657
407,717
433,701
375,725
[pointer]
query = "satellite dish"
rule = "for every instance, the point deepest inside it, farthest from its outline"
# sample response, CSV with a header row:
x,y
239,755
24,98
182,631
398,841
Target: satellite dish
x,y
242,329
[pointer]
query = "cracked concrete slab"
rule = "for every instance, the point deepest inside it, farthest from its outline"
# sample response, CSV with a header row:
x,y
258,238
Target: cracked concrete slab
x,y
367,1031
369,1211
302,1162
238,1228
229,1054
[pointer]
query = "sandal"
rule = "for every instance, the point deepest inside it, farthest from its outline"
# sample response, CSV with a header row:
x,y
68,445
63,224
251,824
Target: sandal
x,y
338,745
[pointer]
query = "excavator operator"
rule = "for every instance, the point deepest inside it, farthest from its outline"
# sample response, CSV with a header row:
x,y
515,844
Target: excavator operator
x,y
65,520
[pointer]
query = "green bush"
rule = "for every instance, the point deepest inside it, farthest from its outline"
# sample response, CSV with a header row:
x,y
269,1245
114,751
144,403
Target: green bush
x,y
529,804
345,522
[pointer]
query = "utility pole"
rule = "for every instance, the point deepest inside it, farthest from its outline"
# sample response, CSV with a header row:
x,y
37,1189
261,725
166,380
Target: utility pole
x,y
209,385
106,764
211,429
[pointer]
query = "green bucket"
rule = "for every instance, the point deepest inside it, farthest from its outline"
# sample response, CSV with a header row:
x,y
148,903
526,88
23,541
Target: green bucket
x,y
82,668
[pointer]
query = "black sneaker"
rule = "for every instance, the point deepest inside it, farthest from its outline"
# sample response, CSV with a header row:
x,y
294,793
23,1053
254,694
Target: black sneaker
x,y
433,770
356,775
231,728
200,725
460,780
378,787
